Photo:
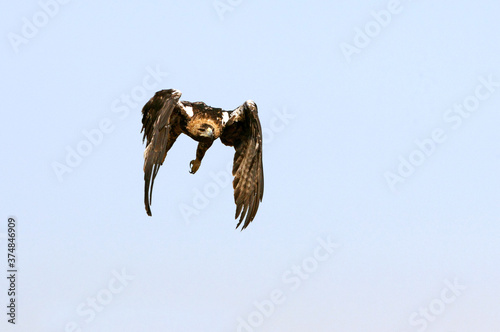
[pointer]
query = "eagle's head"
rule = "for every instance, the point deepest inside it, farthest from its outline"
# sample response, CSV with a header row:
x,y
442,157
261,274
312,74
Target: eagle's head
x,y
206,130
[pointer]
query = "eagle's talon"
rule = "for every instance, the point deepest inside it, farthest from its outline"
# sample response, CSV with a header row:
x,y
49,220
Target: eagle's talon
x,y
194,164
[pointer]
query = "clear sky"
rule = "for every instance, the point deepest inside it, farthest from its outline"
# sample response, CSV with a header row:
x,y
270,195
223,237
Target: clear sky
x,y
381,163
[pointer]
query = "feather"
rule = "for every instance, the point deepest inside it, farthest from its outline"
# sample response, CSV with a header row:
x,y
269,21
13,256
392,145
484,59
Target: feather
x,y
248,183
156,126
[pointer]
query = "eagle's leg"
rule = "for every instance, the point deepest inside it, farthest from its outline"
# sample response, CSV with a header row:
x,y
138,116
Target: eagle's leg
x,y
200,152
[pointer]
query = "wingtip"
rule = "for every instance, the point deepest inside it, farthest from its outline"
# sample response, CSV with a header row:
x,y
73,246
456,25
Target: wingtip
x,y
251,104
247,222
238,225
176,93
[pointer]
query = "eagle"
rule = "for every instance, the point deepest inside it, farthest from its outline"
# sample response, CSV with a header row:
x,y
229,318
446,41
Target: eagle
x,y
164,118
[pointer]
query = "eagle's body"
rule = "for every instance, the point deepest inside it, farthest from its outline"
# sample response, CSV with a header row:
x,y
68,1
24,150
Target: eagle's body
x,y
199,115
165,118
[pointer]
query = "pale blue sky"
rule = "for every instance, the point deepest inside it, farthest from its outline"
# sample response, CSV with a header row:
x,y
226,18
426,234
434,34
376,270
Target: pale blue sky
x,y
335,126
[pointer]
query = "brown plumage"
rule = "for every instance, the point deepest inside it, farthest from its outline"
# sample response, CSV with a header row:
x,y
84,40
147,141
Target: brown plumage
x,y
165,118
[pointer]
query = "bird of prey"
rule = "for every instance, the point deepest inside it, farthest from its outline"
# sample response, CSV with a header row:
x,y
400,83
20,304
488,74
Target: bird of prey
x,y
165,118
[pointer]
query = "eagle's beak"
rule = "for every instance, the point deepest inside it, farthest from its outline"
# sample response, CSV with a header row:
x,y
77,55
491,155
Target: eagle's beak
x,y
210,132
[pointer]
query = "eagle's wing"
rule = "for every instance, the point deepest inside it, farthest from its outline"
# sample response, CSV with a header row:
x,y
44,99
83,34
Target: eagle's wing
x,y
248,172
156,124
